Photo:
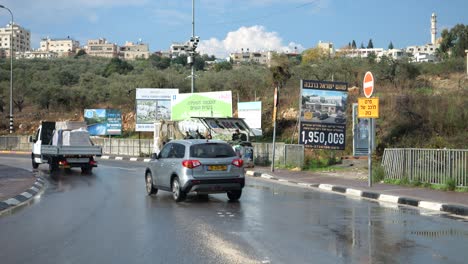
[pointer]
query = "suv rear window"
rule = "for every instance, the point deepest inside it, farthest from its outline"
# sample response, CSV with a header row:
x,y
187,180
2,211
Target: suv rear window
x,y
211,150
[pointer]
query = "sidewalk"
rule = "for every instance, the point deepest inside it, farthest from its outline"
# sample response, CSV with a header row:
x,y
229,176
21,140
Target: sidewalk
x,y
17,187
355,183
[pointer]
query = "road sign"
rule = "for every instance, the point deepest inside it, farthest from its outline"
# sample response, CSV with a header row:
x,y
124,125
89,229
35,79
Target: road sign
x,y
368,107
368,84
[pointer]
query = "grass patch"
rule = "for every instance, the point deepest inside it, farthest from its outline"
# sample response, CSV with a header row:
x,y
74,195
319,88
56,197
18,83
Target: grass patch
x,y
449,185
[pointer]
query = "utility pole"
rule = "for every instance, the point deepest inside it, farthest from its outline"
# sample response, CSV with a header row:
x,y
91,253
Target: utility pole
x,y
11,69
193,51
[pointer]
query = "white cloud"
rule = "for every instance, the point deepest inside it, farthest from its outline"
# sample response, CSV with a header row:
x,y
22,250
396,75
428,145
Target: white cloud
x,y
254,38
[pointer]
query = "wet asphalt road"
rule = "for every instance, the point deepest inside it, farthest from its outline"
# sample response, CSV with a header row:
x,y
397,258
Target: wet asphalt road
x,y
106,217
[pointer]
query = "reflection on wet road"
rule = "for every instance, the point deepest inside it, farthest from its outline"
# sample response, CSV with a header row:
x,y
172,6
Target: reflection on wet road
x,y
106,217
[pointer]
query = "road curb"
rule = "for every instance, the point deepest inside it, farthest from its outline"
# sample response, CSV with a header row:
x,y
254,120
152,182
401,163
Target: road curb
x,y
107,157
454,209
23,199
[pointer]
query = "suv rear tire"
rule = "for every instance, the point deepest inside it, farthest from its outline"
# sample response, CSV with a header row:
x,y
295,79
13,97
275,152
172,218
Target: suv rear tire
x,y
234,195
177,192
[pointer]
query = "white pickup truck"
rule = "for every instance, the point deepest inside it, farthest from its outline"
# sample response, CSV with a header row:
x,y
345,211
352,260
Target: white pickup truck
x,y
64,145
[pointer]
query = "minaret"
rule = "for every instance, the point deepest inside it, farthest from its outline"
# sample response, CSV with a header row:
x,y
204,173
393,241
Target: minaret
x,y
433,28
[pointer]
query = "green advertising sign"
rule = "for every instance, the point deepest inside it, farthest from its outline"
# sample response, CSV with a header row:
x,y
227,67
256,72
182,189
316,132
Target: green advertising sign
x,y
211,104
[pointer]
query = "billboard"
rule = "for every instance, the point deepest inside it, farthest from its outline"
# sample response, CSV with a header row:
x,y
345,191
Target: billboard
x,y
210,104
103,122
323,114
152,104
251,112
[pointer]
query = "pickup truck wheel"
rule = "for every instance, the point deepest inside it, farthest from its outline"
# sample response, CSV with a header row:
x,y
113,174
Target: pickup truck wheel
x,y
34,164
177,192
234,195
53,166
86,169
149,184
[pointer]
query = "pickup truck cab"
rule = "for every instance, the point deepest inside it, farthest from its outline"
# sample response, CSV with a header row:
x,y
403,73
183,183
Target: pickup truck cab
x,y
64,145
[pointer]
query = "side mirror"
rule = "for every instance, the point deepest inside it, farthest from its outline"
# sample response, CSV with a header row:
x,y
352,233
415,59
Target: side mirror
x,y
31,139
154,156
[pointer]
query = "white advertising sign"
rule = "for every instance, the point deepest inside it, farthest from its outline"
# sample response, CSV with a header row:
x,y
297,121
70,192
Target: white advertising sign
x,y
251,112
152,104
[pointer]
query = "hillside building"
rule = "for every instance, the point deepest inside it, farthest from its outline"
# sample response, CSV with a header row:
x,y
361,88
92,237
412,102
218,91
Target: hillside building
x,y
327,47
260,57
36,54
63,47
102,48
179,49
21,39
131,51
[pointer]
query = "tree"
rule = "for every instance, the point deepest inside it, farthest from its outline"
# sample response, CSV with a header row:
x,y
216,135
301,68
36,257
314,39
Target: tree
x,y
390,46
181,60
199,63
80,53
220,66
353,44
280,69
362,46
160,62
370,45
312,55
117,65
454,41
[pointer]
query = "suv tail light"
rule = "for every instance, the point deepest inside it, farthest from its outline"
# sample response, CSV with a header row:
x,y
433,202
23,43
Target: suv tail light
x,y
238,162
191,164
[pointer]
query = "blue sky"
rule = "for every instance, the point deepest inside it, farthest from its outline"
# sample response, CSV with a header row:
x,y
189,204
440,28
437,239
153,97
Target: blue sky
x,y
228,25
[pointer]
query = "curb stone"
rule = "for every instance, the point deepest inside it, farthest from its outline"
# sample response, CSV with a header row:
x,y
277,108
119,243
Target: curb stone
x,y
107,157
25,198
454,209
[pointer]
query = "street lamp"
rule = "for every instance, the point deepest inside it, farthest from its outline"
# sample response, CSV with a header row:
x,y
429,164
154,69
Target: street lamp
x,y
11,69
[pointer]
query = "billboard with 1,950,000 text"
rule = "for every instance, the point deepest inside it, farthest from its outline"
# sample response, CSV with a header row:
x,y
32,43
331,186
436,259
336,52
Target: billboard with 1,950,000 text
x,y
323,114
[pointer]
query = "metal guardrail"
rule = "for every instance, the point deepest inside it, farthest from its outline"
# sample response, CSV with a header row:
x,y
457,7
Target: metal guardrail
x,y
427,165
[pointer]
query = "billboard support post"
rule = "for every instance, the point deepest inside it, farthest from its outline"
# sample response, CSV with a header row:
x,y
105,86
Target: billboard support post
x,y
371,132
275,111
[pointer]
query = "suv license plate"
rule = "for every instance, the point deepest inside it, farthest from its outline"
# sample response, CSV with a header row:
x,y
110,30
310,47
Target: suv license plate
x,y
217,167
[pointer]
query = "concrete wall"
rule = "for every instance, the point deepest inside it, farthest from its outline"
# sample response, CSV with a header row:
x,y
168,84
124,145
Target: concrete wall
x,y
290,155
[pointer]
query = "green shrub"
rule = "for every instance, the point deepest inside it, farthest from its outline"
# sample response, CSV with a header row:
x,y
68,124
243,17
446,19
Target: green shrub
x,y
378,173
450,184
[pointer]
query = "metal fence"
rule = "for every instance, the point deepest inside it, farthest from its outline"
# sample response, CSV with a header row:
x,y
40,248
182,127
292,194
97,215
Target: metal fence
x,y
289,155
427,165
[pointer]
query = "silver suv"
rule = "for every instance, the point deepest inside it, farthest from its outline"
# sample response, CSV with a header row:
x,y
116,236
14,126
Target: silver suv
x,y
196,165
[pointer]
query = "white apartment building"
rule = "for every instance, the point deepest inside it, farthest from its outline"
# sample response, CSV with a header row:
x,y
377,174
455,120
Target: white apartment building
x,y
131,51
425,53
36,54
21,39
102,48
260,57
63,47
178,49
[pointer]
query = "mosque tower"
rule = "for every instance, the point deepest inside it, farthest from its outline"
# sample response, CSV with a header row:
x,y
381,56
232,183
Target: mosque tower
x,y
433,28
